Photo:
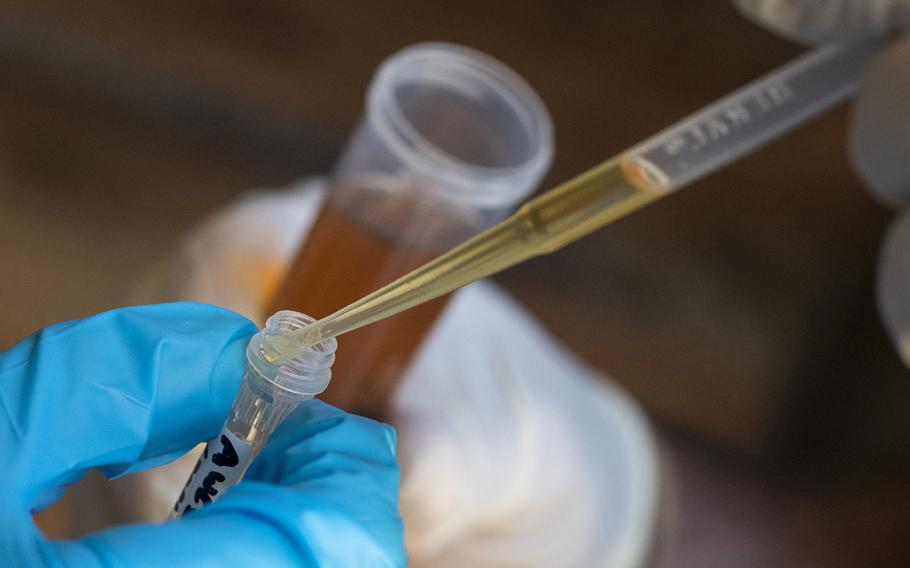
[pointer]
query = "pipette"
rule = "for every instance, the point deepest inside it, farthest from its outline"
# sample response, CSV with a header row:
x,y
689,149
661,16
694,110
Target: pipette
x,y
691,149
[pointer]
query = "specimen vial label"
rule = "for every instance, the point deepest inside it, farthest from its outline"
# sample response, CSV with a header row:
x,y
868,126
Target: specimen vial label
x,y
221,465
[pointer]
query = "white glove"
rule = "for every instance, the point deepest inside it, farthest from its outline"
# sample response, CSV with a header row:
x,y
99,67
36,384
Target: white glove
x,y
880,129
819,21
880,126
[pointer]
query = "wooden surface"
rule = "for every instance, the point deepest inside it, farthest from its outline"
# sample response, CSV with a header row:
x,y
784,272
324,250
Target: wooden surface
x,y
739,311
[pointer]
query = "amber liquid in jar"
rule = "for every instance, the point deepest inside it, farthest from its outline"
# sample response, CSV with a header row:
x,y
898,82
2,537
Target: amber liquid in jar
x,y
342,260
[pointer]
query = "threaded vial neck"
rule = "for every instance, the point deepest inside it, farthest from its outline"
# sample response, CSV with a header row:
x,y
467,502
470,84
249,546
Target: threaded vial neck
x,y
306,374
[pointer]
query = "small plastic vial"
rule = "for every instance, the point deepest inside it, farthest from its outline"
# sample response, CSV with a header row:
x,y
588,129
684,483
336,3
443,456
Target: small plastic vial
x,y
267,395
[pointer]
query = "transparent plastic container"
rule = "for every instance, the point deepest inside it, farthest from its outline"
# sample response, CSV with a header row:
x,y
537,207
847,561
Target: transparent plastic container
x,y
455,131
267,395
452,140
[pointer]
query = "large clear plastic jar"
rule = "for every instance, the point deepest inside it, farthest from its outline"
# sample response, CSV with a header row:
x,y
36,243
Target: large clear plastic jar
x,y
451,142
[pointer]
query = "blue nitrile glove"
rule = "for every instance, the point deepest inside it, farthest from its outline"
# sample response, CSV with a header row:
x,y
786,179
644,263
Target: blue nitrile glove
x,y
135,387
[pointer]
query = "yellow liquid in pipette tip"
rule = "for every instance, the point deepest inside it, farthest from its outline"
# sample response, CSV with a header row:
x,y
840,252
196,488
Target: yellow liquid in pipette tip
x,y
544,224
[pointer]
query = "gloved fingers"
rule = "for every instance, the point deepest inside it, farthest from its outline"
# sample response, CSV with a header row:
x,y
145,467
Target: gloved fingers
x,y
334,461
880,125
114,389
255,525
817,21
317,437
323,492
231,539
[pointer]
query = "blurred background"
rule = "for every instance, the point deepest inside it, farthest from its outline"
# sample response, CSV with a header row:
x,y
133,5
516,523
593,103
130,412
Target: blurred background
x,y
740,312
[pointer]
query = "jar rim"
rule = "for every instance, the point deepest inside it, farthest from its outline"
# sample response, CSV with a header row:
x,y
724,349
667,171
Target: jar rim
x,y
478,185
305,374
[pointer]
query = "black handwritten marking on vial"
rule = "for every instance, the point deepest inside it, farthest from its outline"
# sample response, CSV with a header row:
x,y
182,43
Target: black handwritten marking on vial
x,y
227,457
182,497
205,493
215,471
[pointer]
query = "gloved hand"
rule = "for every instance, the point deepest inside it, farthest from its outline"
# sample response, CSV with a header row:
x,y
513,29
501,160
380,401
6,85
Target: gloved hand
x,y
880,126
135,387
879,139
